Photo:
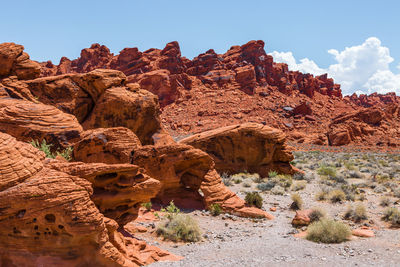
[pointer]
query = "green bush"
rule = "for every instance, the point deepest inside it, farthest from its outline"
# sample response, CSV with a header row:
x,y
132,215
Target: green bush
x,y
254,199
328,231
180,227
147,205
266,186
327,171
215,209
46,148
171,209
272,174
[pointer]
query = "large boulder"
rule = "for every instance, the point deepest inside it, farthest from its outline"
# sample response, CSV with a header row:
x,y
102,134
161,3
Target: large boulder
x,y
13,61
107,145
119,189
188,177
29,121
247,147
47,217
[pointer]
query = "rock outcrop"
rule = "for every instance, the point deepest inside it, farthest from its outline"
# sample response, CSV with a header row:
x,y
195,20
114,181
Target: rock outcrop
x,y
184,171
107,145
14,61
29,121
47,217
247,147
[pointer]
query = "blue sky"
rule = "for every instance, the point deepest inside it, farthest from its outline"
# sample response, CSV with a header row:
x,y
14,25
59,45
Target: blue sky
x,y
307,29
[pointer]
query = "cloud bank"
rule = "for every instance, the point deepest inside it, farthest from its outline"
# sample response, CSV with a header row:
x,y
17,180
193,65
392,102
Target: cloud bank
x,y
361,69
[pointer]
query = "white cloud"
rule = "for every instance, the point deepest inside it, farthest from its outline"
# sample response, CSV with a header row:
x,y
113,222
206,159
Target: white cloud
x,y
306,65
362,69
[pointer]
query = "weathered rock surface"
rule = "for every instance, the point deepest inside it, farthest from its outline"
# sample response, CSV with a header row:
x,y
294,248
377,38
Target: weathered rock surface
x,y
107,145
47,217
29,121
118,189
302,217
13,61
183,171
247,147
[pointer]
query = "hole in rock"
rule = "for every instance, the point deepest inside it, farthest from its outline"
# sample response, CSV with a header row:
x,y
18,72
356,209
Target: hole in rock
x,y
106,176
50,218
36,227
60,226
21,213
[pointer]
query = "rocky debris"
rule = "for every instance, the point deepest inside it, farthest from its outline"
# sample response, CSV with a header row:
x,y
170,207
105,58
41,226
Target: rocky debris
x,y
29,121
107,145
252,147
358,126
15,62
184,171
118,189
303,109
362,232
47,217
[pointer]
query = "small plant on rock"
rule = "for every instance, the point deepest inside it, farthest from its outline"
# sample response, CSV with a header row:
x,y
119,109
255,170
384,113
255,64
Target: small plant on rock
x,y
215,209
297,202
254,199
46,148
147,206
328,231
272,174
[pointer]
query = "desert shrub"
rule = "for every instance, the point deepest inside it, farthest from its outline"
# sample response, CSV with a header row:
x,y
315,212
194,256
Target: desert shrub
x,y
147,205
328,231
46,148
380,189
297,202
215,209
299,185
322,195
254,199
171,209
357,213
266,186
226,179
350,191
298,176
392,215
337,195
317,214
278,190
349,165
361,197
237,181
384,201
283,180
180,227
327,170
272,174
246,184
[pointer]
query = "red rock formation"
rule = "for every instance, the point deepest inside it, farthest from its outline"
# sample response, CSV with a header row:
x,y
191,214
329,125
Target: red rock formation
x,y
110,145
29,121
47,217
13,61
247,147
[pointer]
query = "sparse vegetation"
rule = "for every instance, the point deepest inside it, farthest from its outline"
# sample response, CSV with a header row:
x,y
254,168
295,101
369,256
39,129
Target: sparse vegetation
x,y
327,170
317,214
254,199
299,185
384,201
272,174
215,209
297,203
147,205
328,231
266,186
337,195
392,215
46,148
180,227
357,213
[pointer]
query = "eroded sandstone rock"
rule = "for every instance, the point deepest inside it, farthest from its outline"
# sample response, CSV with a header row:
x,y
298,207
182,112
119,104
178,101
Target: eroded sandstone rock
x,y
247,147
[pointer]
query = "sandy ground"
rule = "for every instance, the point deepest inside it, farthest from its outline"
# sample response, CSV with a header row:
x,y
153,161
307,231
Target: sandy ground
x,y
233,241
